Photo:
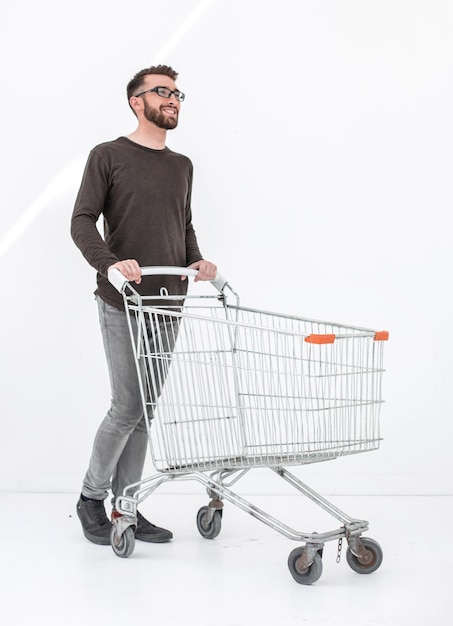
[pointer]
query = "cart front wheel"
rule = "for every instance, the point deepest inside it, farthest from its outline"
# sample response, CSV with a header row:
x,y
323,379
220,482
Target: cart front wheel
x,y
209,529
304,575
372,560
124,545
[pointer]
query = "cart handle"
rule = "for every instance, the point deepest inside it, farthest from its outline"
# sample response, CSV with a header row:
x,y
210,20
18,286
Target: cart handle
x,y
119,281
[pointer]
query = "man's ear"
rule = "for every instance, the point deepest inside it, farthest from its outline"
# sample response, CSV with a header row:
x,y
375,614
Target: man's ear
x,y
135,103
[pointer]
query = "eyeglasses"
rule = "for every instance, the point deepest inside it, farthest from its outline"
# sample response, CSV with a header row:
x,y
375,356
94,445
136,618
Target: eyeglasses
x,y
164,92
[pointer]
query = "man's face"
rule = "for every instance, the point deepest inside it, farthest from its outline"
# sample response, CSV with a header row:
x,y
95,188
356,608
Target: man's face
x,y
163,112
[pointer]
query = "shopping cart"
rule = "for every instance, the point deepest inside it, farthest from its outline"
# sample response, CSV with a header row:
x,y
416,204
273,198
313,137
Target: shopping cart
x,y
226,389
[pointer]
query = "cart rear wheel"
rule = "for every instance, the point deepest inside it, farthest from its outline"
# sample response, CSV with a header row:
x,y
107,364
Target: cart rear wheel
x,y
209,530
373,558
124,545
307,575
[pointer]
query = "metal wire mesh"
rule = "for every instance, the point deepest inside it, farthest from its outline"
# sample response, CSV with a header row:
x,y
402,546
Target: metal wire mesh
x,y
237,387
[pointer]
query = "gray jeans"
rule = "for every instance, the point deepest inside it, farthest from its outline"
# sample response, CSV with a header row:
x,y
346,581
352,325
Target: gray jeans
x,y
120,444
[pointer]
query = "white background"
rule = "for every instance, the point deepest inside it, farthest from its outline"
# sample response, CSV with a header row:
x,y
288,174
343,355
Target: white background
x,y
321,134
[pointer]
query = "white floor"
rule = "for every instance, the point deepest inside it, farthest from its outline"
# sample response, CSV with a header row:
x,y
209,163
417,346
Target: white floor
x,y
52,576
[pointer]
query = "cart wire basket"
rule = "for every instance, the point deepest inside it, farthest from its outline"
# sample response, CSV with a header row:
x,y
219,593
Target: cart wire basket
x,y
227,388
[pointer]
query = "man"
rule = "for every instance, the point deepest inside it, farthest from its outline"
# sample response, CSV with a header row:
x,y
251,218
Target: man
x,y
143,190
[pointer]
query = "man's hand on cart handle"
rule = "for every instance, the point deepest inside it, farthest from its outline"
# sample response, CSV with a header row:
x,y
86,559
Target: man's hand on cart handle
x,y
130,269
206,270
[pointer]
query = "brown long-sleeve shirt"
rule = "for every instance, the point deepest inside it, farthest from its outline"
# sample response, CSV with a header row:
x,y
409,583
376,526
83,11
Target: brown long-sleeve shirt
x,y
144,196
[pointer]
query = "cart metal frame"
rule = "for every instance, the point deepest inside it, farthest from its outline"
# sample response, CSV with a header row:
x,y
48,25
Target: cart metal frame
x,y
226,389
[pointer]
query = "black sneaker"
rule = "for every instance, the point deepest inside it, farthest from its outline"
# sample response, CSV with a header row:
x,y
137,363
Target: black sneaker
x,y
150,532
95,524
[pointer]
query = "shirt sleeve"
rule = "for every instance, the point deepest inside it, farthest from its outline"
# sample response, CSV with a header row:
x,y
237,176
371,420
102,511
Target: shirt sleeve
x,y
192,250
89,205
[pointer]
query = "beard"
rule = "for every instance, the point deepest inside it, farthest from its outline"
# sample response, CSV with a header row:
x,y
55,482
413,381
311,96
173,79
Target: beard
x,y
160,119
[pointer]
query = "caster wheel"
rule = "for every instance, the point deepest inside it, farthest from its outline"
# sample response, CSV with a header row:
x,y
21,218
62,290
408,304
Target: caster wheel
x,y
307,575
372,561
123,546
209,530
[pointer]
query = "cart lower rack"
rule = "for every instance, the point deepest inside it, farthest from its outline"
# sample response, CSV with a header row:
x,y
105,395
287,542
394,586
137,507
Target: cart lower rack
x,y
226,389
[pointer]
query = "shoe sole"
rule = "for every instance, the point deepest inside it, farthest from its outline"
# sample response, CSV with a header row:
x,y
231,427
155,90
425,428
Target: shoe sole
x,y
151,539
